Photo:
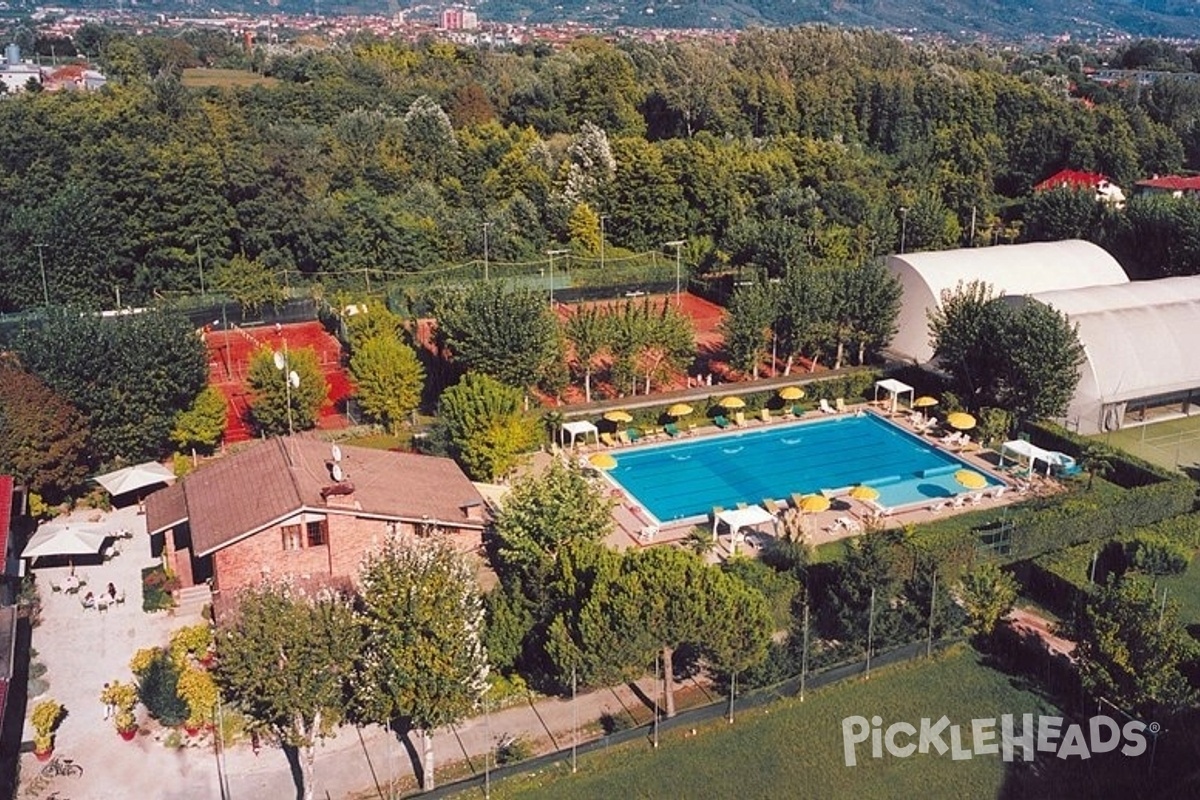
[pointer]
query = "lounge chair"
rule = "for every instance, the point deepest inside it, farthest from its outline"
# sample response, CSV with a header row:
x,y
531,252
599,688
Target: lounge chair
x,y
798,410
796,498
938,507
742,506
120,598
634,434
623,437
765,415
840,405
959,501
739,419
825,407
849,524
671,429
772,507
720,421
998,492
607,439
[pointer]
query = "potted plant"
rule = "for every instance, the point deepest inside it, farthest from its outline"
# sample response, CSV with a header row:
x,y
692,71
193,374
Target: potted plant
x,y
198,689
45,718
123,698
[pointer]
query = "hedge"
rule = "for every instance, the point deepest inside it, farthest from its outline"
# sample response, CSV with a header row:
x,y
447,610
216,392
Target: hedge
x,y
1128,470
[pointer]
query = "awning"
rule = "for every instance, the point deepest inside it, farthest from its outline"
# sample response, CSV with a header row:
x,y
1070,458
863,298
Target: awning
x,y
578,428
894,388
139,476
738,518
1019,448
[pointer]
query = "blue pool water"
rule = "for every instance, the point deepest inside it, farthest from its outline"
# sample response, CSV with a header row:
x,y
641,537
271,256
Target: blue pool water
x,y
680,479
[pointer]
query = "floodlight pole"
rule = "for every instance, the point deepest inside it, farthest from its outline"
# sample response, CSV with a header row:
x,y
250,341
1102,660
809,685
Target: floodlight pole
x,y
932,607
657,694
804,656
602,218
486,225
574,720
677,244
870,632
42,266
487,753
903,227
200,266
282,363
552,254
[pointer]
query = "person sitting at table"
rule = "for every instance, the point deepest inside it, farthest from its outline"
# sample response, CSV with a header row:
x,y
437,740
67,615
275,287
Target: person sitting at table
x,y
111,591
88,600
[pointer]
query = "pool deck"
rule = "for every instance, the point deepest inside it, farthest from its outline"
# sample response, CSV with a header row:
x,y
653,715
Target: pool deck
x,y
636,527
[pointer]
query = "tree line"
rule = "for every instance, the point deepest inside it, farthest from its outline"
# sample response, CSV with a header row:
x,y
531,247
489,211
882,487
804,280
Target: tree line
x,y
784,148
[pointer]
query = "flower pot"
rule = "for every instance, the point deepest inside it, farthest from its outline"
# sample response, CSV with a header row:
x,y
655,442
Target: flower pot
x,y
43,755
192,730
129,734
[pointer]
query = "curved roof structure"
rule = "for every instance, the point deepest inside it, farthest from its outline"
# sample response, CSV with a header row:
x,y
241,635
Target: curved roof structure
x,y
1021,269
1139,339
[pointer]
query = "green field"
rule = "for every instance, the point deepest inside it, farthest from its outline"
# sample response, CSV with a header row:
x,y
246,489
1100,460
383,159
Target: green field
x,y
1173,443
794,750
221,78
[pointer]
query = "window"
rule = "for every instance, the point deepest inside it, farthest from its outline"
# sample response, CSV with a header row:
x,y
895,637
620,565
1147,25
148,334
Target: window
x,y
318,533
291,537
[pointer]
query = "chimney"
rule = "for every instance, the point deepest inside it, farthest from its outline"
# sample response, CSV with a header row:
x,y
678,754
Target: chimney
x,y
473,511
340,495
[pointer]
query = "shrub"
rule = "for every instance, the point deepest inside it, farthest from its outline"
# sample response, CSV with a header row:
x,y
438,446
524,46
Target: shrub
x,y
157,586
158,686
199,691
122,696
194,640
45,719
512,749
1156,554
615,723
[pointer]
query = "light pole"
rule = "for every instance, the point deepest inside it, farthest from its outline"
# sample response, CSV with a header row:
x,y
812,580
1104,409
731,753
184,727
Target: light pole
x,y
200,266
42,266
903,227
552,254
602,218
486,225
677,244
291,380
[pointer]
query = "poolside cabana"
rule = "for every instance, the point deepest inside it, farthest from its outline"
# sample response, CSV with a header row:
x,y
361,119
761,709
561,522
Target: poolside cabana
x,y
1021,449
895,389
738,518
578,428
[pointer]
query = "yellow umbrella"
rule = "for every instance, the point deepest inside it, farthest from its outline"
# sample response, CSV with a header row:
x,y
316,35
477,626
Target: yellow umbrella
x,y
960,420
618,416
863,492
602,460
731,402
679,410
814,503
791,393
970,479
924,401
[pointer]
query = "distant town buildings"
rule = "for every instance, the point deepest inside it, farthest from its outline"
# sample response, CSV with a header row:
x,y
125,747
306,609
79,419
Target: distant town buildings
x,y
459,19
1174,185
1106,191
16,74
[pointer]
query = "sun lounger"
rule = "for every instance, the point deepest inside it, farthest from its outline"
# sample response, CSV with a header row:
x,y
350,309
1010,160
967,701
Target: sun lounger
x,y
938,507
959,501
607,439
742,506
772,507
671,429
739,419
720,421
765,415
634,434
998,492
840,405
825,407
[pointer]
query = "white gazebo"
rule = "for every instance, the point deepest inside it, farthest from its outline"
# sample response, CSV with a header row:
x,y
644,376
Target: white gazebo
x,y
738,518
894,389
1019,448
578,428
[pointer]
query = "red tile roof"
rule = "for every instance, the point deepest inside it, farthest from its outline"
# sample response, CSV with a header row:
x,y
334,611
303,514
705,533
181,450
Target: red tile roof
x,y
1073,179
272,480
1173,183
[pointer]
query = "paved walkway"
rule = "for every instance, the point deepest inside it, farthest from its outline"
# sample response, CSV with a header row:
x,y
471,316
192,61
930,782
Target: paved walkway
x,y
84,648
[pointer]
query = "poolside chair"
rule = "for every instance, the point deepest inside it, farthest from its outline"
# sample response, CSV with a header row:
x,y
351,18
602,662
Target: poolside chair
x,y
671,429
840,405
623,437
825,407
765,415
938,507
772,507
742,506
720,421
998,492
120,598
607,439
959,501
739,418
798,410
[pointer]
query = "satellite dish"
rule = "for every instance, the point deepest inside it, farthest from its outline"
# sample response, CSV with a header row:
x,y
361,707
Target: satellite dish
x,y
280,361
294,379
336,472
336,452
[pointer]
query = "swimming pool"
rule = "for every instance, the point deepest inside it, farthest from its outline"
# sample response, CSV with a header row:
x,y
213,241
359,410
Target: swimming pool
x,y
682,479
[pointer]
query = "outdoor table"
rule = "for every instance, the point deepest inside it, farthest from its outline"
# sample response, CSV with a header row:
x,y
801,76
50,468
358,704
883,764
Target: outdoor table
x,y
71,584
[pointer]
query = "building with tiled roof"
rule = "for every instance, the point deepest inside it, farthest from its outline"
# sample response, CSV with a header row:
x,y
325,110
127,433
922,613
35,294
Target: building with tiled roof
x,y
1174,185
1106,191
301,508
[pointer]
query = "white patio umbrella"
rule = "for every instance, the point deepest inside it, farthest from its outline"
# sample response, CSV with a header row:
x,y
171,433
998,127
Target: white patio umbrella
x,y
66,539
139,476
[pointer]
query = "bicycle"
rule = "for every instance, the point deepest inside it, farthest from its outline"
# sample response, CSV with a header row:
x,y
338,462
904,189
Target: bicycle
x,y
62,766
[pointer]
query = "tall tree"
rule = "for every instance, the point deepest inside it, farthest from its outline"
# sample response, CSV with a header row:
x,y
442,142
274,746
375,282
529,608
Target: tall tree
x,y
1042,357
286,660
202,425
1131,647
987,593
748,327
482,421
43,438
388,379
425,661
280,400
588,329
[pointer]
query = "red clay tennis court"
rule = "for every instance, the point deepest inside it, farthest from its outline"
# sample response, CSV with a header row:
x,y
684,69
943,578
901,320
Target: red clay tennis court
x,y
229,355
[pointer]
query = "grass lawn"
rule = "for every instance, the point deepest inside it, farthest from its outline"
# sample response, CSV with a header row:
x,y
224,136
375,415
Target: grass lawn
x,y
198,78
793,749
1185,590
1172,443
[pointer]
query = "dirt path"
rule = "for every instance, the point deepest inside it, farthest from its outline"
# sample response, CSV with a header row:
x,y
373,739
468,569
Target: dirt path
x,y
1026,621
